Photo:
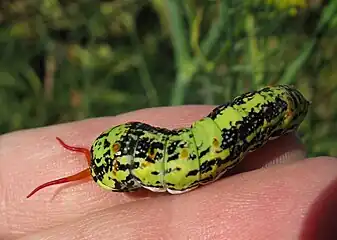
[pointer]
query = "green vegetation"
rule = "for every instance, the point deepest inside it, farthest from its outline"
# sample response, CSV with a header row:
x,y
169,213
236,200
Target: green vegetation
x,y
70,60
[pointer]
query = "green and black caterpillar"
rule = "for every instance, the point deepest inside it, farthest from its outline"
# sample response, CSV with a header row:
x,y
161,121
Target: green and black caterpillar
x,y
137,155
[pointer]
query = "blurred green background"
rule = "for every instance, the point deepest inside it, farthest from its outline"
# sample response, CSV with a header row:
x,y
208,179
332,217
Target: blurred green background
x,y
70,60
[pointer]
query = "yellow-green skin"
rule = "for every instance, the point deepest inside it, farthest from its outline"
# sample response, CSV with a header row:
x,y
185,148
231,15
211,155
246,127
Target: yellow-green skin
x,y
136,155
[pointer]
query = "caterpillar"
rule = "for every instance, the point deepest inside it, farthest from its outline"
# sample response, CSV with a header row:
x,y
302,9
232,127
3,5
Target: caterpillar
x,y
137,155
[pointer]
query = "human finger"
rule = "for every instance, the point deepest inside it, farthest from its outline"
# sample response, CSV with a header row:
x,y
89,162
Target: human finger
x,y
279,203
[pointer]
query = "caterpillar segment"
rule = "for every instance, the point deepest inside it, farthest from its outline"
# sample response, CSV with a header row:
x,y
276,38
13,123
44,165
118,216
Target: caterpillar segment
x,y
137,155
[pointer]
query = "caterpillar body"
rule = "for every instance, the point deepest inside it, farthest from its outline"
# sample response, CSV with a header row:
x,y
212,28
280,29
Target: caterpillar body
x,y
137,155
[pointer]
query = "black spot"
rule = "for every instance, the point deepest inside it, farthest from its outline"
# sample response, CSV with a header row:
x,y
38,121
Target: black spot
x,y
203,153
155,173
106,143
157,145
129,178
207,166
173,157
98,160
192,173
118,185
172,147
193,156
159,156
230,137
135,165
123,167
150,160
107,153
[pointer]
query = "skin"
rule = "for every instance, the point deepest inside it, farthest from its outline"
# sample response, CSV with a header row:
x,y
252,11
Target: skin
x,y
275,194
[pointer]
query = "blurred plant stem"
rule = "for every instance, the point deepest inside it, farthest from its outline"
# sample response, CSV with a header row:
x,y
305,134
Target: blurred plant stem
x,y
49,75
186,65
182,56
143,71
255,55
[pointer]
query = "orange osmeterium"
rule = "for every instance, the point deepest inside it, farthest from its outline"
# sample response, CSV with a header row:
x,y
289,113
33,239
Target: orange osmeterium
x,y
78,176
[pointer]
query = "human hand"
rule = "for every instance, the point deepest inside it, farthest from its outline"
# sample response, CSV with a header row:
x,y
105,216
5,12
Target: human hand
x,y
293,198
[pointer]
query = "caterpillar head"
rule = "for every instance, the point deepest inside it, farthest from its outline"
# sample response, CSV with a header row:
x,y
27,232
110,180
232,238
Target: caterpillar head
x,y
112,156
298,107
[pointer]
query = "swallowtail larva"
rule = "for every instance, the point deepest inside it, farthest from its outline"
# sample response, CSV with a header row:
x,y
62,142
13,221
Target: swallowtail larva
x,y
136,155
